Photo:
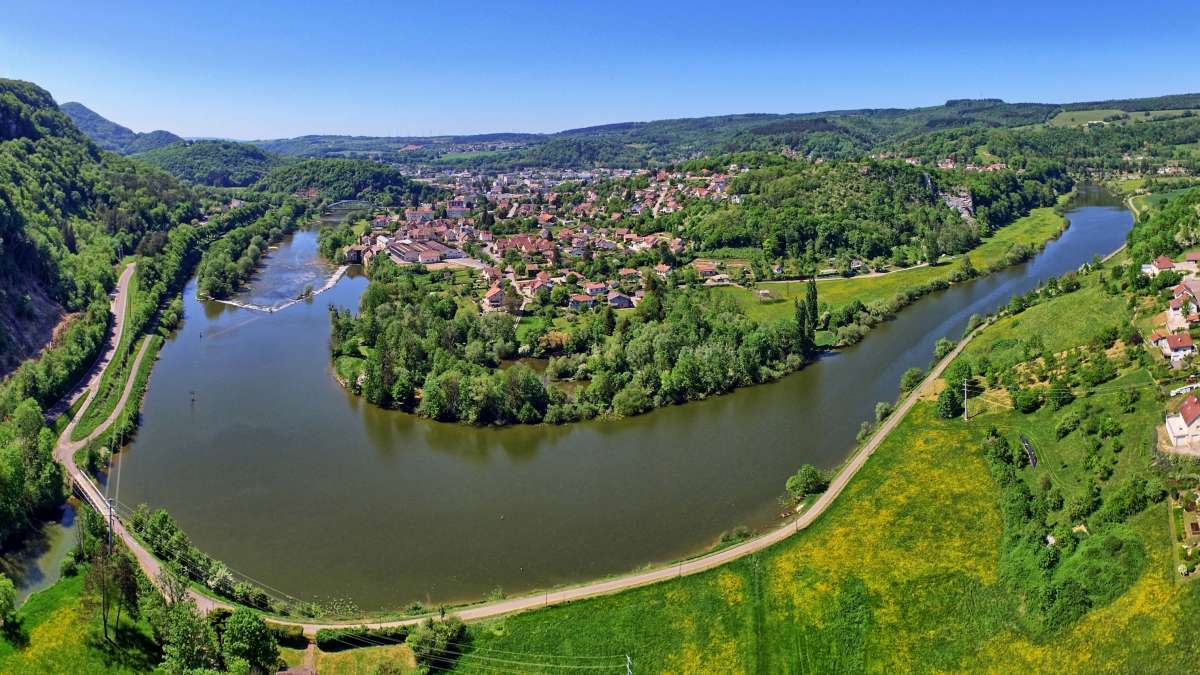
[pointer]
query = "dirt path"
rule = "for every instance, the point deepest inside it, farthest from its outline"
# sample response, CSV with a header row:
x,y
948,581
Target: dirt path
x,y
66,448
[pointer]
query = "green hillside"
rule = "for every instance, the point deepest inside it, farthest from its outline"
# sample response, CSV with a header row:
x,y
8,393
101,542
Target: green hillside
x,y
216,163
336,179
112,136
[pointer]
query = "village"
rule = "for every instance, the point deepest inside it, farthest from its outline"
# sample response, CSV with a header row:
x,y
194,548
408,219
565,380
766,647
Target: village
x,y
563,242
1173,339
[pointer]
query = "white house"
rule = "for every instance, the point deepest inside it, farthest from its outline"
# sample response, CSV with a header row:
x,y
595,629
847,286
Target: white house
x,y
1175,346
1184,426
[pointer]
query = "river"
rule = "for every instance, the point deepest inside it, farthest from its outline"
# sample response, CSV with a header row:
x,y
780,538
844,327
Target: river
x,y
271,466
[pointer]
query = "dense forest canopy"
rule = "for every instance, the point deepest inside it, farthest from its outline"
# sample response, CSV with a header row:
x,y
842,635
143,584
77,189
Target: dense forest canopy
x,y
337,179
429,350
66,210
114,137
216,163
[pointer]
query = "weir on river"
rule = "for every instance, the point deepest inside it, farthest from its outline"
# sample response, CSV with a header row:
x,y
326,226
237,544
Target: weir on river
x,y
277,470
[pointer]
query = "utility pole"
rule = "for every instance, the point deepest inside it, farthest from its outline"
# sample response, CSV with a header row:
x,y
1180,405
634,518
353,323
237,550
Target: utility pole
x,y
964,400
110,522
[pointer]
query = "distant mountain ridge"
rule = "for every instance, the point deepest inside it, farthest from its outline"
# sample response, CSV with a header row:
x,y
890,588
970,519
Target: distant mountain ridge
x,y
112,136
830,134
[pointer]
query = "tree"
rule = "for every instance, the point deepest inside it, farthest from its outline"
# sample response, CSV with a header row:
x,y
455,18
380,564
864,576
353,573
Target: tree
x,y
247,637
807,480
810,302
1059,395
8,603
125,585
99,588
189,642
437,644
910,379
949,403
804,329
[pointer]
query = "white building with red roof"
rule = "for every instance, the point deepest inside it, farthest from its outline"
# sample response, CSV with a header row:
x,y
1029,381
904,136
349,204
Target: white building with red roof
x,y
1176,346
1183,428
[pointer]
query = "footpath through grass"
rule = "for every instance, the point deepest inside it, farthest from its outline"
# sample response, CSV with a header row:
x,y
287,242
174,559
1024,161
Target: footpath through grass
x,y
1031,231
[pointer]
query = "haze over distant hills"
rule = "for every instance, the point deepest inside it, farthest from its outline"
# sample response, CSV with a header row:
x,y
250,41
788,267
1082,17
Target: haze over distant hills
x,y
112,136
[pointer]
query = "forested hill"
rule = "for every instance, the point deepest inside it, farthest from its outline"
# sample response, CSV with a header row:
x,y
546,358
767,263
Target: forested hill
x,y
66,209
112,136
336,179
217,163
1139,141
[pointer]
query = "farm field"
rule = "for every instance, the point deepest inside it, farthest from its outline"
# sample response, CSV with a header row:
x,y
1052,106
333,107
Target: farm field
x,y
1072,118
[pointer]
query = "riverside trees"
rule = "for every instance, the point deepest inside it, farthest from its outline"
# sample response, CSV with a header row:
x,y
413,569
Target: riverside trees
x,y
418,344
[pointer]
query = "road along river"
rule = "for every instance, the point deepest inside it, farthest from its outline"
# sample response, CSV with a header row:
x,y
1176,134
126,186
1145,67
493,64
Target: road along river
x,y
271,466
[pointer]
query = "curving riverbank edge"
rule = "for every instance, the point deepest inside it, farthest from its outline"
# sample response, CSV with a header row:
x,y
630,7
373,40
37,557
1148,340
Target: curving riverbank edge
x,y
87,489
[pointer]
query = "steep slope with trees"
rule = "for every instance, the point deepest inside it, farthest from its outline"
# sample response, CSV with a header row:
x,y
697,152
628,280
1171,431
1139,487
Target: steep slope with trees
x,y
67,212
112,136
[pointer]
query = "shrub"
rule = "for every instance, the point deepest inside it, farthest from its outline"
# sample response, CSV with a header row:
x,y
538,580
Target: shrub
x,y
1026,400
288,636
437,644
949,403
1066,424
910,379
339,639
807,480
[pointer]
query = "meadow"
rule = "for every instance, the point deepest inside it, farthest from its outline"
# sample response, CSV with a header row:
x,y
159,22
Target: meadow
x,y
59,636
1074,118
1031,231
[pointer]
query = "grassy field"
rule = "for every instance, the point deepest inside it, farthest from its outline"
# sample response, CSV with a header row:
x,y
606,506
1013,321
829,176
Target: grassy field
x,y
1142,204
60,637
1074,118
1034,230
1059,325
900,575
355,661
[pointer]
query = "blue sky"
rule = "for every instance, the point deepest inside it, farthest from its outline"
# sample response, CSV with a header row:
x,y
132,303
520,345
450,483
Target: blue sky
x,y
268,70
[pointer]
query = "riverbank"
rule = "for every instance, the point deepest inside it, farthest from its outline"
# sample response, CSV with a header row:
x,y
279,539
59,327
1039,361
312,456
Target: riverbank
x,y
260,381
